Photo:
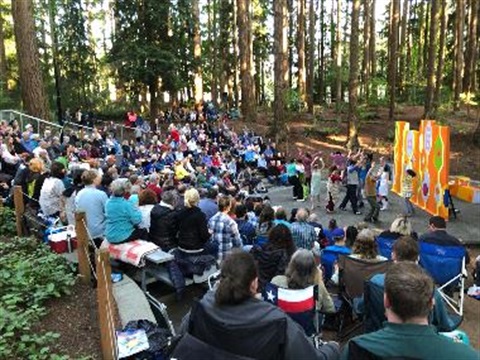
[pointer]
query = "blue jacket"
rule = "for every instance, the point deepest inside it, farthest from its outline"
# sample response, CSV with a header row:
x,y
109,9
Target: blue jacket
x,y
121,218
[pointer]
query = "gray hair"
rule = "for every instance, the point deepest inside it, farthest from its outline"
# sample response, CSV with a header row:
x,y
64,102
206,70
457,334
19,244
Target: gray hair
x,y
313,218
302,214
402,226
119,187
302,270
169,197
153,178
135,189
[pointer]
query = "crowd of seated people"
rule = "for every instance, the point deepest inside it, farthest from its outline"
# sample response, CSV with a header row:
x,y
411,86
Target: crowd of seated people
x,y
177,191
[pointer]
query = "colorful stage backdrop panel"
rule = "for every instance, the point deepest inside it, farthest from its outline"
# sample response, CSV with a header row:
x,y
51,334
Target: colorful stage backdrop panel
x,y
427,152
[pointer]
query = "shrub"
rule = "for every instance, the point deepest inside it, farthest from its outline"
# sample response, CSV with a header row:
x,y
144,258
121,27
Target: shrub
x,y
7,222
29,275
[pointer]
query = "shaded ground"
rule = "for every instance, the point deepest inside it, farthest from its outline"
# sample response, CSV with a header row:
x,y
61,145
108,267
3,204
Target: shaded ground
x,y
75,318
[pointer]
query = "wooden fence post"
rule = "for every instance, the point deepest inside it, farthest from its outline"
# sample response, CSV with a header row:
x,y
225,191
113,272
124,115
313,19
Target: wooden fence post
x,y
19,208
106,305
82,247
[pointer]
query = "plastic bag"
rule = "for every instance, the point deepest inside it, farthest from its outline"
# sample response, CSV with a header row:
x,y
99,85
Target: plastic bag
x,y
159,340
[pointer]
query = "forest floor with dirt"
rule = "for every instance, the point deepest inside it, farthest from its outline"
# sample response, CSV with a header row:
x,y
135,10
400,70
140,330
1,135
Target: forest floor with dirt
x,y
376,133
75,318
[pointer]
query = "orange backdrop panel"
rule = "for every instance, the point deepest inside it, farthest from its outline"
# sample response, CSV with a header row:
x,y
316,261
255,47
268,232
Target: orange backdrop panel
x,y
427,152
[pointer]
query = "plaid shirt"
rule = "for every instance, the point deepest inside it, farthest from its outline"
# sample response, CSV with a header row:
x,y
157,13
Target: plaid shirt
x,y
303,235
225,233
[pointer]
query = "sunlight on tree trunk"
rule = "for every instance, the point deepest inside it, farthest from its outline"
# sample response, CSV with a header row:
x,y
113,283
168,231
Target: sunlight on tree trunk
x,y
197,54
393,55
280,48
353,78
432,58
244,21
458,53
31,81
301,53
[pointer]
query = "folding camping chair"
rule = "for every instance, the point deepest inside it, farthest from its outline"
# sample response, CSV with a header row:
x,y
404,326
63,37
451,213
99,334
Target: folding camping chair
x,y
352,275
374,310
446,265
328,258
299,304
385,246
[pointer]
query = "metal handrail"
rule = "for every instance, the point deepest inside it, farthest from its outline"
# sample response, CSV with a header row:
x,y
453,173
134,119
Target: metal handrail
x,y
9,114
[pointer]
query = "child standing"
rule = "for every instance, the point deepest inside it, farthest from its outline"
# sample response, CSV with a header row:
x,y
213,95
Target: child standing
x,y
407,191
333,184
316,180
371,195
383,188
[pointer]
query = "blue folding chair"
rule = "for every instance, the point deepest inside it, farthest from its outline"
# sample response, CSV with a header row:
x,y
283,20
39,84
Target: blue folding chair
x,y
328,258
446,265
385,246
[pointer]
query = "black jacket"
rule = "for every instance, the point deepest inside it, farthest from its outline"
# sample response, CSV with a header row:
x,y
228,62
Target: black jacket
x,y
192,229
163,227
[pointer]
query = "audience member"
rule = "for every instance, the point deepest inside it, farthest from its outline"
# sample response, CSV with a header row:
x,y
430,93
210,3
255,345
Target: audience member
x,y
302,272
92,202
273,256
163,222
122,217
193,234
304,235
234,302
209,205
224,230
146,201
408,301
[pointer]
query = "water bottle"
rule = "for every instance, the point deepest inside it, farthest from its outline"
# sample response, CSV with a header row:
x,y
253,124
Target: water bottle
x,y
69,242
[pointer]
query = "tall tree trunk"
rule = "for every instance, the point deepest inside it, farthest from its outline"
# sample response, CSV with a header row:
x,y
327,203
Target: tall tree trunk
x,y
321,52
291,42
214,46
471,46
3,58
32,87
403,47
432,59
333,52
410,70
441,54
366,50
421,40
280,48
235,54
426,36
338,60
372,56
224,46
153,90
458,50
311,55
197,54
353,77
393,55
301,52
244,25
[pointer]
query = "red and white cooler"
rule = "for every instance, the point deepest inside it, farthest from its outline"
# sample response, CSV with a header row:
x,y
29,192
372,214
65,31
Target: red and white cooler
x,y
63,240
